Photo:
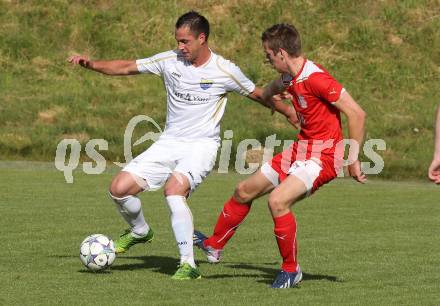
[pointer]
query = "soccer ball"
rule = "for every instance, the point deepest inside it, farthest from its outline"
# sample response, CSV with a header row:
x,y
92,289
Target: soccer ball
x,y
97,252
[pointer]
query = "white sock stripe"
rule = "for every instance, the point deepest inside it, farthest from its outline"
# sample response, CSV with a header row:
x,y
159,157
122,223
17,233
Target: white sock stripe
x,y
233,228
230,230
280,237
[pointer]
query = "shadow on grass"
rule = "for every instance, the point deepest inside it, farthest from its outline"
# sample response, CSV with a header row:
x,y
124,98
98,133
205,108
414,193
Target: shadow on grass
x,y
168,265
106,271
268,274
159,264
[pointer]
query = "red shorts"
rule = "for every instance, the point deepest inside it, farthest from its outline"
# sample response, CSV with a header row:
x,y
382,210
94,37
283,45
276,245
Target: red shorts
x,y
313,169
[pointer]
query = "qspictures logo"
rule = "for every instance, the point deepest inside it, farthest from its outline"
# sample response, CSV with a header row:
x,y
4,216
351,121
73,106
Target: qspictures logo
x,y
67,157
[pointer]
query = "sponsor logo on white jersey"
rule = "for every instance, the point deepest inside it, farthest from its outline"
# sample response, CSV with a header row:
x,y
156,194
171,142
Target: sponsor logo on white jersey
x,y
189,98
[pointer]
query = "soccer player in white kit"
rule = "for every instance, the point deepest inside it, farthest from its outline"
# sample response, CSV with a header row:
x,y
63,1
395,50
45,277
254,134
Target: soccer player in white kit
x,y
197,82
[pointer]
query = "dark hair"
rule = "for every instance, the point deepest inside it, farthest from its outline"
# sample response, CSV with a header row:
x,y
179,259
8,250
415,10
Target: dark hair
x,y
283,36
196,23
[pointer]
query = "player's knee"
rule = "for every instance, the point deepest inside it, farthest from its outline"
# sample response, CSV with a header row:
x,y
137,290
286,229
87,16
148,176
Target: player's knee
x,y
120,188
168,191
117,189
241,194
276,204
125,184
177,185
175,190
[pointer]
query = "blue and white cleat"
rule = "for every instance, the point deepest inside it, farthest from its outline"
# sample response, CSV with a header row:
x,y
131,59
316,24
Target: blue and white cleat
x,y
198,239
287,279
213,255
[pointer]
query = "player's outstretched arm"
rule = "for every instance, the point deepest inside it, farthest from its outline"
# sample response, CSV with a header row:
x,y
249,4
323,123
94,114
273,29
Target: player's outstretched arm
x,y
257,95
274,88
434,168
356,129
275,102
115,67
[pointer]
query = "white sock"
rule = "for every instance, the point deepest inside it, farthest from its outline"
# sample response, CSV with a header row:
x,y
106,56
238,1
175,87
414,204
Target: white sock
x,y
183,228
130,208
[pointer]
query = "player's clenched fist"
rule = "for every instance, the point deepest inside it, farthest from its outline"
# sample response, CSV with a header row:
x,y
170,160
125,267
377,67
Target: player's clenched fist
x,y
80,60
434,171
355,172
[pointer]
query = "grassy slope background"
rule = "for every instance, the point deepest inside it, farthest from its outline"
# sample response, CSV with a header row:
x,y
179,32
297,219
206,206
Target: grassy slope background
x,y
384,52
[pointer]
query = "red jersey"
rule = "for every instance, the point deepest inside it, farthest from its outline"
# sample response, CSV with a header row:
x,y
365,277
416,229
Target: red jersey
x,y
314,90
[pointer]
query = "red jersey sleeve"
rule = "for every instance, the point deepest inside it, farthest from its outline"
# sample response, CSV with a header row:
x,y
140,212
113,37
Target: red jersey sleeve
x,y
325,87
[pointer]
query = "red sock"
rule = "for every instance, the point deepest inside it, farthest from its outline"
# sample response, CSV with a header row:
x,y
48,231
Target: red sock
x,y
285,233
230,218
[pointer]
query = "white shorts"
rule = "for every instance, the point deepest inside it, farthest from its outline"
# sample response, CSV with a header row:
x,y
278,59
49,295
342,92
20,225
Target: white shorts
x,y
194,159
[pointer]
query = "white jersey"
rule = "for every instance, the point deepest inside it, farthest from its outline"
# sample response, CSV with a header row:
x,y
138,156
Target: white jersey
x,y
196,96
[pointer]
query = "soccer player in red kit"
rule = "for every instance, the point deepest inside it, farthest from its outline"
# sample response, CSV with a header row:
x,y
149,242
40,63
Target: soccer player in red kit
x,y
309,163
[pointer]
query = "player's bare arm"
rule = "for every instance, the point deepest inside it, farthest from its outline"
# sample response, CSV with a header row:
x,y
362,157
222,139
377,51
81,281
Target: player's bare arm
x,y
434,168
356,129
257,95
286,110
113,67
276,87
275,102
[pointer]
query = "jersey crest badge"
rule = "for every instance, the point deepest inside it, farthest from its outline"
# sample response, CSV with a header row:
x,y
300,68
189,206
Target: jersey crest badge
x,y
302,102
205,84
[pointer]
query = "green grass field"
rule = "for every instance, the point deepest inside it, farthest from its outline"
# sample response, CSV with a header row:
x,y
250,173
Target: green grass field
x,y
373,244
